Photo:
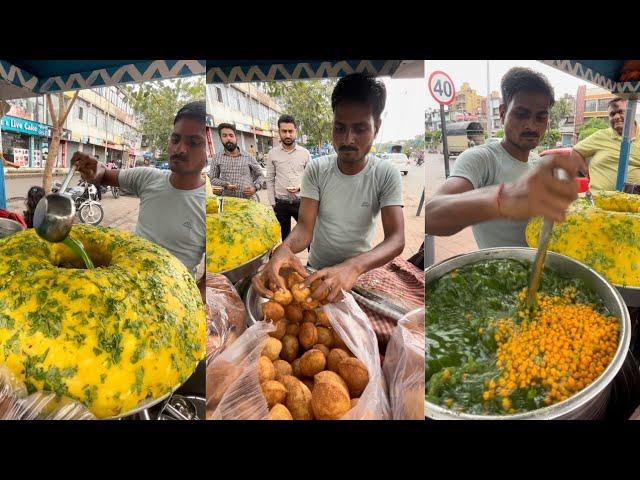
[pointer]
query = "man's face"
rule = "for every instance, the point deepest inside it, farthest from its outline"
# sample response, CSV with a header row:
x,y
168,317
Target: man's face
x,y
228,139
616,115
187,147
287,133
354,129
525,119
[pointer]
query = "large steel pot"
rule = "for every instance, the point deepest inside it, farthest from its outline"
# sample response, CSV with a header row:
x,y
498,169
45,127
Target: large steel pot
x,y
247,269
9,227
591,402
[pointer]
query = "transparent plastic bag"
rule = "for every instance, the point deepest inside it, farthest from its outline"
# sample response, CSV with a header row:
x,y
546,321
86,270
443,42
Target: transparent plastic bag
x,y
404,367
16,404
226,315
233,388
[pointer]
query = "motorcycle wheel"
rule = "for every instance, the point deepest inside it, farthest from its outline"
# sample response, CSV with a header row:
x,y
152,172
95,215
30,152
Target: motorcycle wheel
x,y
91,214
115,191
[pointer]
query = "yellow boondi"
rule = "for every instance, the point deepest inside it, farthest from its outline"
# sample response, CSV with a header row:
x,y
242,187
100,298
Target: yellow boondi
x,y
129,330
563,349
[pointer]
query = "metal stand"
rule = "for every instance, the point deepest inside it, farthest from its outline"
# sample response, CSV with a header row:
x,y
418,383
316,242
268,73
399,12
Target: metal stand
x,y
625,146
445,144
420,205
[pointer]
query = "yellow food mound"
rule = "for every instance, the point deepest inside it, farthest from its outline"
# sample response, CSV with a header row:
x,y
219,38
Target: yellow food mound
x,y
129,330
245,229
607,237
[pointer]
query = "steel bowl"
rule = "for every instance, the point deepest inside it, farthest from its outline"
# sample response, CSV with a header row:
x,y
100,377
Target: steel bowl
x,y
589,403
9,227
247,269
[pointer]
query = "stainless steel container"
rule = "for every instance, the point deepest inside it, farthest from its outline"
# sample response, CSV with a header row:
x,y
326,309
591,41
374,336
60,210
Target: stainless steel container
x,y
247,269
591,402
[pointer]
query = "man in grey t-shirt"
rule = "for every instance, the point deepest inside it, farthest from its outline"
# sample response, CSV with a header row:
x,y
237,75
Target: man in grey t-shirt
x,y
172,203
341,198
494,188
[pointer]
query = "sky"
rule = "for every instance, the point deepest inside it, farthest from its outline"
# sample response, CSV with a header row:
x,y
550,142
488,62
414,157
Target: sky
x,y
403,117
475,73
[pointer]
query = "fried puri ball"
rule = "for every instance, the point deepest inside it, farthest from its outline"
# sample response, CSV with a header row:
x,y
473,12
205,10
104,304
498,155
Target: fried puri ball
x,y
325,337
281,368
315,285
308,335
274,392
309,304
322,319
338,342
355,374
294,278
336,355
298,398
300,293
292,329
280,412
312,362
329,401
266,369
290,347
293,313
295,368
283,297
309,316
329,376
272,310
272,348
308,382
354,402
280,331
322,348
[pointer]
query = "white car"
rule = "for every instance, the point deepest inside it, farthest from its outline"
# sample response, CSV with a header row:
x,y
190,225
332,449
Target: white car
x,y
400,161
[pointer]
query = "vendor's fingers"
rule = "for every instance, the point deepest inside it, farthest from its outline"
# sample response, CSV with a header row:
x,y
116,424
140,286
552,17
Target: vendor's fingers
x,y
563,190
567,163
320,274
297,266
258,284
321,292
552,212
335,294
272,274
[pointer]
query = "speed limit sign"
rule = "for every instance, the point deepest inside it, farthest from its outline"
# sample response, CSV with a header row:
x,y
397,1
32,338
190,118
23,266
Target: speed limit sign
x,y
441,88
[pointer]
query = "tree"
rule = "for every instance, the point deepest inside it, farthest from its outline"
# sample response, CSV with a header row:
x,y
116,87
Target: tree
x,y
158,102
499,133
57,122
551,137
591,126
309,102
560,110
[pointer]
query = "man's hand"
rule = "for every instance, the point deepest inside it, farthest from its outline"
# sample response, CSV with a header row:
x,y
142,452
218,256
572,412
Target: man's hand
x,y
539,192
90,169
229,186
248,191
334,279
282,257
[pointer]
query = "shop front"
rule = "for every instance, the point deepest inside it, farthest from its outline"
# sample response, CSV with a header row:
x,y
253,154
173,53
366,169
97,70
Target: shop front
x,y
22,140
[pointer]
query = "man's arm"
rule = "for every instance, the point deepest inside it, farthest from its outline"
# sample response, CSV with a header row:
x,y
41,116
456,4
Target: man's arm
x,y
214,174
302,234
95,172
256,173
271,180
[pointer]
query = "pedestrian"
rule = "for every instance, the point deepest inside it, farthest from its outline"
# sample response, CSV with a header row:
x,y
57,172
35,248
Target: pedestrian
x,y
285,167
252,151
603,149
99,187
497,187
342,196
172,202
238,173
7,163
34,195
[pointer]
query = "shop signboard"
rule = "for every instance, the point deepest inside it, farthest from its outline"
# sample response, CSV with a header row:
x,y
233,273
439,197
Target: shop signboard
x,y
27,127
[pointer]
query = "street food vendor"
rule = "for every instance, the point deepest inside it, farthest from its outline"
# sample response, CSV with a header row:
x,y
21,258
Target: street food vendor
x,y
172,202
342,196
497,187
603,149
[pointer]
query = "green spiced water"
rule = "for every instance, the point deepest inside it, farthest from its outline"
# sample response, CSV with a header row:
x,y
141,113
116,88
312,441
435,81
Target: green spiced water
x,y
77,248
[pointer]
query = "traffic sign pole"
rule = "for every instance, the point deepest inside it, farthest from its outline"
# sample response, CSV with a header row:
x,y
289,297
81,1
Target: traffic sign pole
x,y
445,145
443,91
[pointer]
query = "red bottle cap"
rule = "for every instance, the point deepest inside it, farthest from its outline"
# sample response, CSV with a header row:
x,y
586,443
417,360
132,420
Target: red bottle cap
x,y
583,184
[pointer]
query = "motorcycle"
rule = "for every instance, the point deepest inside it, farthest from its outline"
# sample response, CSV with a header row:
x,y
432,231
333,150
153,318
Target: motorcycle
x,y
84,196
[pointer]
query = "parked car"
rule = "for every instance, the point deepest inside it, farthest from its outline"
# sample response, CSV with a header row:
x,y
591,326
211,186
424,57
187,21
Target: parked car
x,y
400,161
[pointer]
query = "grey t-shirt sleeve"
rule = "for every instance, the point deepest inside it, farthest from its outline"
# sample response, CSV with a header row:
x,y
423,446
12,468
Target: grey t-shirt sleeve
x,y
391,186
135,179
474,165
310,187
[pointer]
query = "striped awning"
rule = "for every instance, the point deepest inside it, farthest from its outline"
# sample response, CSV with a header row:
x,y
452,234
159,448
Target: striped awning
x,y
604,73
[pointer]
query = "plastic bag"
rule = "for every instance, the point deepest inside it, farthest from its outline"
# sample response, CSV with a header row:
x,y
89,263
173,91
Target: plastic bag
x,y
226,315
16,404
404,367
233,388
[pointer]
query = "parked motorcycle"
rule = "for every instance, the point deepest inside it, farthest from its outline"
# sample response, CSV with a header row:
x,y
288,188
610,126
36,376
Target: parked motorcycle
x,y
85,197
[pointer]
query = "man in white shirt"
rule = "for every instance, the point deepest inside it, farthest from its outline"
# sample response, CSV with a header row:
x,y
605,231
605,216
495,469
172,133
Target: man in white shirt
x,y
285,166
